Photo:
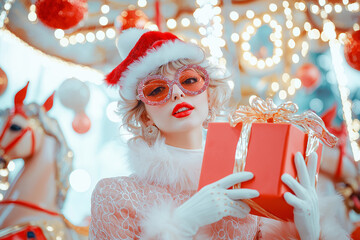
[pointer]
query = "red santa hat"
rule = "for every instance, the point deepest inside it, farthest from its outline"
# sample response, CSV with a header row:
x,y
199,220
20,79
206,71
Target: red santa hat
x,y
144,51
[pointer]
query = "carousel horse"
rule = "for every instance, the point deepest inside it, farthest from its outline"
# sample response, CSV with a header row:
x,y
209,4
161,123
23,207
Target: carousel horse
x,y
30,208
339,173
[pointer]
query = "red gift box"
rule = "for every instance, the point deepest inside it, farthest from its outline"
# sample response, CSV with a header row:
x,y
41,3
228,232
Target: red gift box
x,y
271,151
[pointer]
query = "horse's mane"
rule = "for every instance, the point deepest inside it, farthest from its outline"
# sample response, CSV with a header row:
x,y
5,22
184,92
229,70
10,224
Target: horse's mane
x,y
64,155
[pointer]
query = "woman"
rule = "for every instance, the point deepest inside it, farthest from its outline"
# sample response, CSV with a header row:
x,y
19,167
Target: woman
x,y
168,91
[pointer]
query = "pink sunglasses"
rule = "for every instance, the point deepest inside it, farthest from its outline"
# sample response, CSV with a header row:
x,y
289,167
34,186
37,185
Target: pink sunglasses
x,y
157,89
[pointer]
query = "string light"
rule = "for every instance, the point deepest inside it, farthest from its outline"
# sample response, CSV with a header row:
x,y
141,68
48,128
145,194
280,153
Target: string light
x,y
110,33
304,48
356,27
291,43
250,29
291,90
285,4
295,58
257,22
301,6
246,47
100,35
275,86
103,20
328,8
307,26
266,18
296,83
285,77
272,7
235,38
234,15
32,16
185,22
64,42
269,62
322,2
80,38
90,37
72,40
59,33
315,9
282,94
32,8
171,23
142,3
105,9
207,16
250,14
194,41
296,31
346,104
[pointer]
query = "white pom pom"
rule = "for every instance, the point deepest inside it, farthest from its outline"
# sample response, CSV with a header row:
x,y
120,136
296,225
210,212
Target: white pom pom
x,y
127,40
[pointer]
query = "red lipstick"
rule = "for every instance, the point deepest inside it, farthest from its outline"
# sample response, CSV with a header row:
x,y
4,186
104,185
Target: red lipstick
x,y
182,110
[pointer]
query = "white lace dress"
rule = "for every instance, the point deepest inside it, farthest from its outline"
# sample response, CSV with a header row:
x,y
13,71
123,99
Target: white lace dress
x,y
140,206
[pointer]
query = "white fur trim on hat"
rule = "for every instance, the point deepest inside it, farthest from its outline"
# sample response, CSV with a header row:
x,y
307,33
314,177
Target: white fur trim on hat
x,y
167,52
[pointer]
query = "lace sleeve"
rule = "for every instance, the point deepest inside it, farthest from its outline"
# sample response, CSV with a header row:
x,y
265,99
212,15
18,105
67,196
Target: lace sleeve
x,y
113,215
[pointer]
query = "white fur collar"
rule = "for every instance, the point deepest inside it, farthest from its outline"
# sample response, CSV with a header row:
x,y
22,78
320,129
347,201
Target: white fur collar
x,y
165,165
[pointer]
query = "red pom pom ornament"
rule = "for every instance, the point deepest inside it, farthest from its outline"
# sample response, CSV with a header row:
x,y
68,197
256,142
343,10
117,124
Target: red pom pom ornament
x,y
352,50
131,18
309,75
63,14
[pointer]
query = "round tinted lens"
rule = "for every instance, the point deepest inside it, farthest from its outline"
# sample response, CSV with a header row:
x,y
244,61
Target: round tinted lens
x,y
191,80
156,90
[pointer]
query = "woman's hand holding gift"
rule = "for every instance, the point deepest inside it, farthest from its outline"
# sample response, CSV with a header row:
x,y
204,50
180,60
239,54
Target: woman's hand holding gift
x,y
305,201
213,202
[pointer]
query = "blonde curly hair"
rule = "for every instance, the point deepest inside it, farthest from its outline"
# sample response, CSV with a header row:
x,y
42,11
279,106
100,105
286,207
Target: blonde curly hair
x,y
133,111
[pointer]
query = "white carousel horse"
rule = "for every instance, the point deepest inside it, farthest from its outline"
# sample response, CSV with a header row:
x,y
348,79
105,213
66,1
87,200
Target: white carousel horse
x,y
36,196
339,173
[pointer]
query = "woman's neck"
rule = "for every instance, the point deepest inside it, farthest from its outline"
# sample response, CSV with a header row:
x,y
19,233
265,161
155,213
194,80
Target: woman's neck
x,y
189,140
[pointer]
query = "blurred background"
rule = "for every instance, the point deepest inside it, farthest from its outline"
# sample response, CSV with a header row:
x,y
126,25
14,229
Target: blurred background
x,y
307,52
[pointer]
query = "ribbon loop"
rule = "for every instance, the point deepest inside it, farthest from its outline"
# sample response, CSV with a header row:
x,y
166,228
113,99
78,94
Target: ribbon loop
x,y
266,111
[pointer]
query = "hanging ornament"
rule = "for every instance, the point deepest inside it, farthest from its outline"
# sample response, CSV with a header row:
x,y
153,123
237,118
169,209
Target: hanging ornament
x,y
352,49
3,81
81,123
75,94
309,75
63,14
130,18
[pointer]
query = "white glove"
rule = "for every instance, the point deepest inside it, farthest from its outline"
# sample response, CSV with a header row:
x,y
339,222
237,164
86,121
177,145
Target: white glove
x,y
213,202
305,203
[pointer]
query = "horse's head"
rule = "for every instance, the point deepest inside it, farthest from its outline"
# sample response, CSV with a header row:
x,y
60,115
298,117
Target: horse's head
x,y
22,133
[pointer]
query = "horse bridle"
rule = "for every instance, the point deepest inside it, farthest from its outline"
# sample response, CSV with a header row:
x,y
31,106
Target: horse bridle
x,y
4,159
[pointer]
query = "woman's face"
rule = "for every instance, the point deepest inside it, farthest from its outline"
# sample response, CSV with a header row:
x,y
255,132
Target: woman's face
x,y
182,113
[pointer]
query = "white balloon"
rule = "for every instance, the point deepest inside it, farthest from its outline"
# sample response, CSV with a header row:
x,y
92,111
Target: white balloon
x,y
74,94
